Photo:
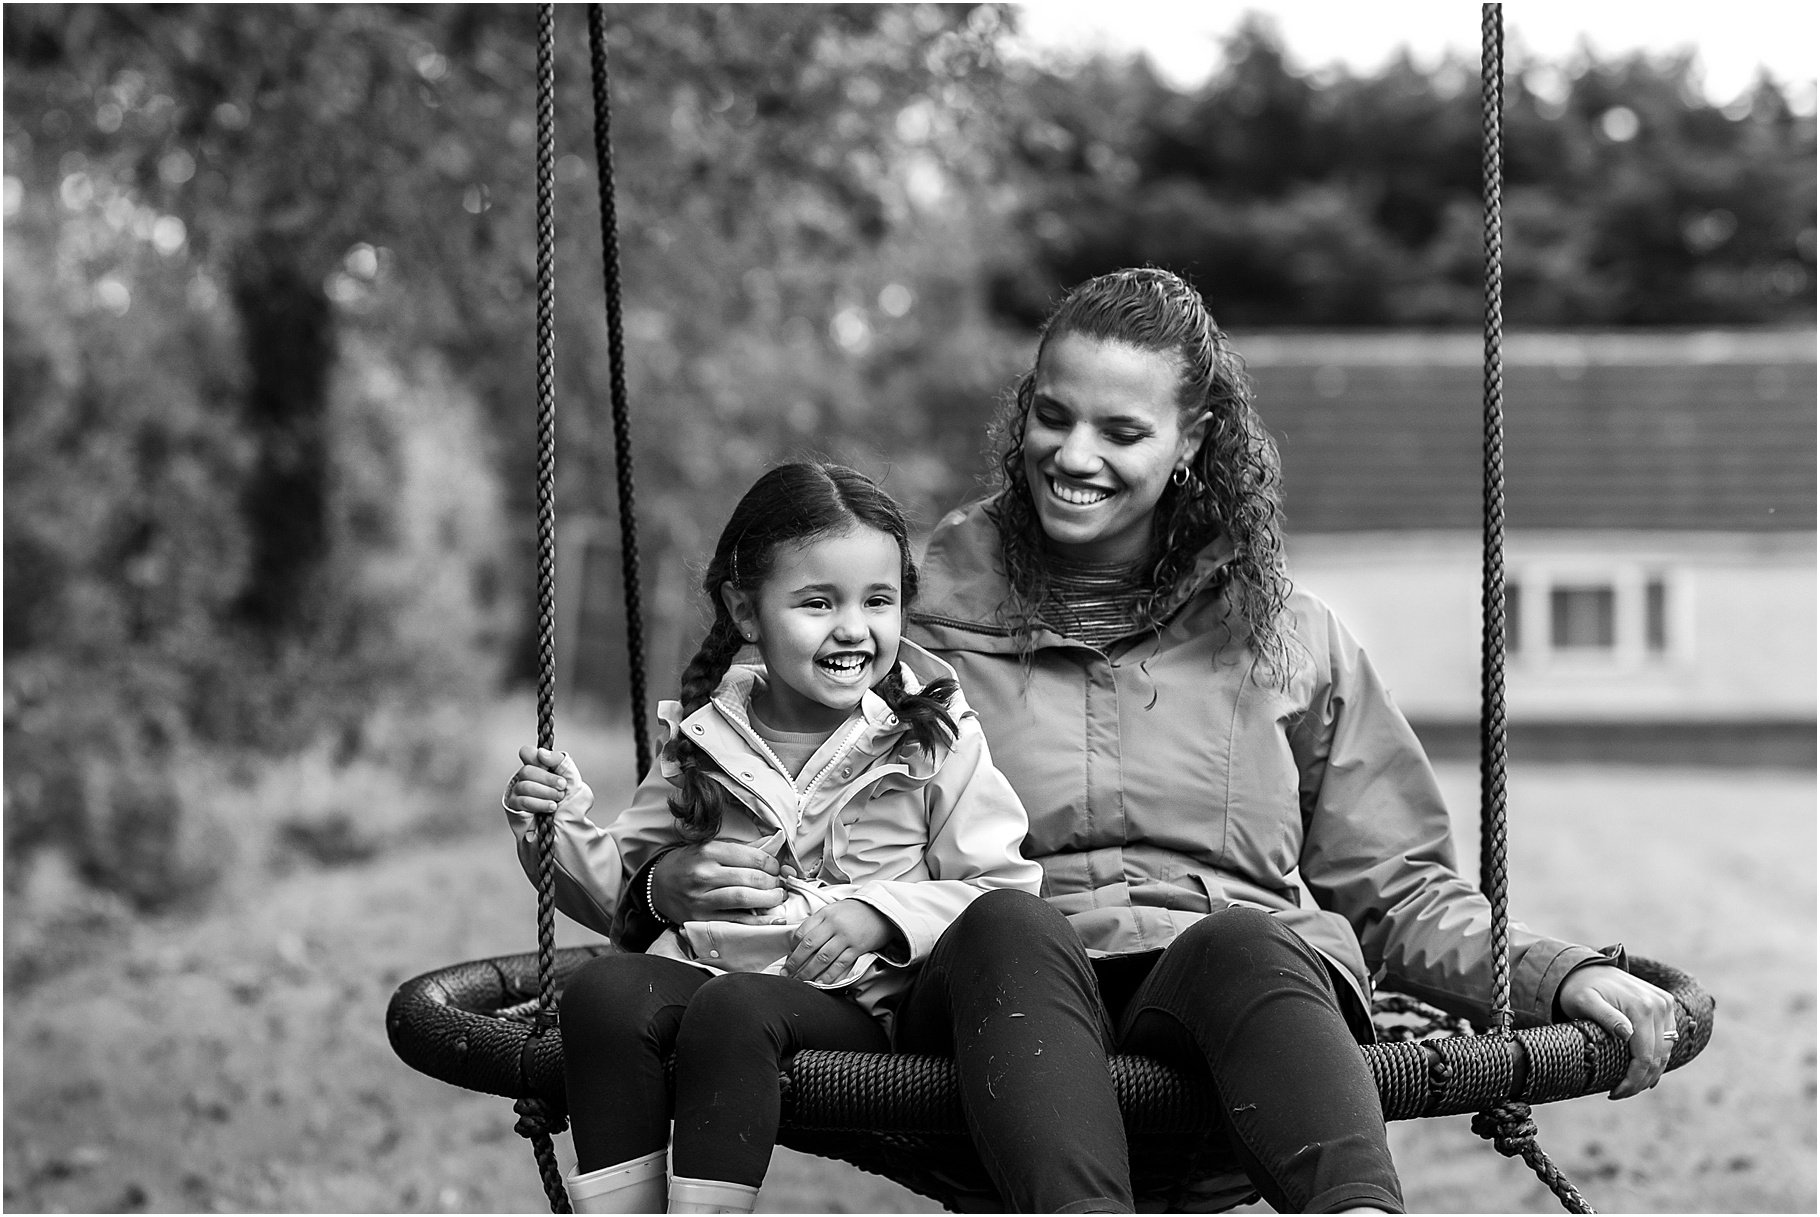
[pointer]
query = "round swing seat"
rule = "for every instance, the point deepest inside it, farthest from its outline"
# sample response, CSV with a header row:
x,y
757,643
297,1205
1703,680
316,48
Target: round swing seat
x,y
472,1025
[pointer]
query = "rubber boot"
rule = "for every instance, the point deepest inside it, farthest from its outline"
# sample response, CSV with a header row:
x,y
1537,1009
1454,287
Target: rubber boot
x,y
631,1187
711,1196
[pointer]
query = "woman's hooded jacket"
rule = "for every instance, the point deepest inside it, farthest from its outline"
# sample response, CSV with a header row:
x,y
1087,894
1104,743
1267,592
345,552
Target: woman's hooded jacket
x,y
1165,776
916,836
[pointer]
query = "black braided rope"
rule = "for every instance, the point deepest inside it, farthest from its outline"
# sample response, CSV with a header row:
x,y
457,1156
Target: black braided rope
x,y
1512,1133
616,357
1506,1123
1493,872
538,1129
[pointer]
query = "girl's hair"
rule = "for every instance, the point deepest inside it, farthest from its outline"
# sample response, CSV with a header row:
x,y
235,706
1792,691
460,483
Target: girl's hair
x,y
1235,480
793,504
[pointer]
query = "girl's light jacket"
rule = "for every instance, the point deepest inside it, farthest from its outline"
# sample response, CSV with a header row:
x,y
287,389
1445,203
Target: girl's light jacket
x,y
915,836
1162,782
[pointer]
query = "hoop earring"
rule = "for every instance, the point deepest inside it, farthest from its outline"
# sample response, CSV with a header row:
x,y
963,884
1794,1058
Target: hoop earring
x,y
1180,476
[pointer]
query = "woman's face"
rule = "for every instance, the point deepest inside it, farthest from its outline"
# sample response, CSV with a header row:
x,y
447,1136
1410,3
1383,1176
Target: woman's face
x,y
1100,443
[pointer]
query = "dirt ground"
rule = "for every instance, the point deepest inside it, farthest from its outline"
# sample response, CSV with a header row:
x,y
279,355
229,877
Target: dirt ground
x,y
237,1061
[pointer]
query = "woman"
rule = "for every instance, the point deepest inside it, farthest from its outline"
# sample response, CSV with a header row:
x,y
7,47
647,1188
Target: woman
x,y
1237,828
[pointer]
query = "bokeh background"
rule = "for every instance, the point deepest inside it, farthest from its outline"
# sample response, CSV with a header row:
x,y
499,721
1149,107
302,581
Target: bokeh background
x,y
269,360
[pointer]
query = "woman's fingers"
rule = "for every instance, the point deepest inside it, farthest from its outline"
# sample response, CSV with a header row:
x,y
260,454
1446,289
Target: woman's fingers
x,y
739,898
1645,1025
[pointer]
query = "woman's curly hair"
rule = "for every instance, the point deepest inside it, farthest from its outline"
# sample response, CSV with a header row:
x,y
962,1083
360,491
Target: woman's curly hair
x,y
1235,482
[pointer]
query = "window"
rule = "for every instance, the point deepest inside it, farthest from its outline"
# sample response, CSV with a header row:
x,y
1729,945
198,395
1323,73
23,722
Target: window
x,y
1513,617
1587,615
1583,618
1655,615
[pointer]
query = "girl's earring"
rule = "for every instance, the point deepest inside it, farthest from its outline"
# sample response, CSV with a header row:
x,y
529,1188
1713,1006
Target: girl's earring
x,y
1181,475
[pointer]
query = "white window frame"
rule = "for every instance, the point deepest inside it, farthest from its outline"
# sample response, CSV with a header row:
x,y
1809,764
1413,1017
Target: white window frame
x,y
1629,583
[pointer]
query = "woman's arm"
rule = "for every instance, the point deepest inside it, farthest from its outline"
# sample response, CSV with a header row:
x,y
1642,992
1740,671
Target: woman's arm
x,y
1378,847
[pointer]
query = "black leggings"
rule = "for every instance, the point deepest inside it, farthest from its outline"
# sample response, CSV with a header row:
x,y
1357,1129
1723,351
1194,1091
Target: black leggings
x,y
623,1014
1238,998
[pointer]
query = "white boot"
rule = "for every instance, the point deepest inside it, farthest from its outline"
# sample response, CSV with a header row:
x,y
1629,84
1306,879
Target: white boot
x,y
710,1196
631,1187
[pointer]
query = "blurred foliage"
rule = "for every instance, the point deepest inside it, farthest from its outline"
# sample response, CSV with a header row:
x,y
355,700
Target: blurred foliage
x,y
1341,200
270,325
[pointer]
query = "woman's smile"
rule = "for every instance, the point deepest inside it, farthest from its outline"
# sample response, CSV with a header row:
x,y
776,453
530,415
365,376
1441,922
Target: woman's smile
x,y
1102,436
1077,494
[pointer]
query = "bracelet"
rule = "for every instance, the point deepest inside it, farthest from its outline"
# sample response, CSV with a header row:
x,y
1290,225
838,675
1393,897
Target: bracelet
x,y
651,902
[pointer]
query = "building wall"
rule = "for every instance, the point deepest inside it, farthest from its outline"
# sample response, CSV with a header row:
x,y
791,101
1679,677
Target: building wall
x,y
1734,639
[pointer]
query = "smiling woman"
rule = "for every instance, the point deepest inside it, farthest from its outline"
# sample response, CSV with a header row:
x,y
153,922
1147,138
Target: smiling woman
x,y
1106,431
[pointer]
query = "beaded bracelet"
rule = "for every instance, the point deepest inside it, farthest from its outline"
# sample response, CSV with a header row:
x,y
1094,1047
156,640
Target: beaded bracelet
x,y
651,902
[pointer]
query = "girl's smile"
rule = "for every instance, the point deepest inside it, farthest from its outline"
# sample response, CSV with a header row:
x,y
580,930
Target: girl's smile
x,y
827,621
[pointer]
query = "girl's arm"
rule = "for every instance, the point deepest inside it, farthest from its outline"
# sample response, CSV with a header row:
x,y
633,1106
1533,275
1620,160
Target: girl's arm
x,y
592,861
976,830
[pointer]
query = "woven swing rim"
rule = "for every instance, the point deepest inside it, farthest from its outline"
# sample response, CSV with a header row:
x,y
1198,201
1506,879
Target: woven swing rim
x,y
469,1024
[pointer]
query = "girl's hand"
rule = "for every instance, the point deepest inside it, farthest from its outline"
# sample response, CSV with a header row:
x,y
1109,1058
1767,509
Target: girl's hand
x,y
829,940
1630,1008
547,780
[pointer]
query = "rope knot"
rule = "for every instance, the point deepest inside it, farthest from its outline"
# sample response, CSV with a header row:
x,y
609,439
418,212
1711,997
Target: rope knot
x,y
535,1119
1508,1127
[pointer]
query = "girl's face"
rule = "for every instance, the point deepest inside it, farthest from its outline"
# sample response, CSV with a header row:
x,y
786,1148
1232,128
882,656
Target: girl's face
x,y
827,622
1101,440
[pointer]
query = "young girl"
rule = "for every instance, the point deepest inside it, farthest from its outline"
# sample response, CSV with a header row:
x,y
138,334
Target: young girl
x,y
847,755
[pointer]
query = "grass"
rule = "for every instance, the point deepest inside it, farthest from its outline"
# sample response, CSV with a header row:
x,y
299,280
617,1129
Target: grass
x,y
235,1059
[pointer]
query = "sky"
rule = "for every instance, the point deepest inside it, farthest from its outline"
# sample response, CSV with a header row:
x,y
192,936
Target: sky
x,y
1732,39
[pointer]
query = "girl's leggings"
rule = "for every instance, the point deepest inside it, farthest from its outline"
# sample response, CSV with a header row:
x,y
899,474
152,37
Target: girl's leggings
x,y
623,1014
1238,998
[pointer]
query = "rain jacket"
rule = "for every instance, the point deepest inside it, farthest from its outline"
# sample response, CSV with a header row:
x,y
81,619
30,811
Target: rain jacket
x,y
915,836
1163,780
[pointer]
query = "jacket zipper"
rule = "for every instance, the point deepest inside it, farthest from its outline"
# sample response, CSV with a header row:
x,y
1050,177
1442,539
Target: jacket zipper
x,y
970,627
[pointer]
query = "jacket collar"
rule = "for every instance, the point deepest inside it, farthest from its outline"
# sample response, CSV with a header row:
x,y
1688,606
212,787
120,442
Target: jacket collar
x,y
965,590
731,703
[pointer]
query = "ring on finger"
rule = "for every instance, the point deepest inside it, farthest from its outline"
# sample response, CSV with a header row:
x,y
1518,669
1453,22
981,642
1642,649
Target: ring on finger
x,y
1671,1035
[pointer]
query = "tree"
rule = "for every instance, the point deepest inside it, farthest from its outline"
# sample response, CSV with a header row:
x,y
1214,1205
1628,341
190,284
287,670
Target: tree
x,y
1355,200
248,244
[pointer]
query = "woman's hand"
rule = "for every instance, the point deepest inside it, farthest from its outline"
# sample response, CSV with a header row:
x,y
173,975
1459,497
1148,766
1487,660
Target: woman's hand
x,y
1630,1008
716,881
830,939
545,781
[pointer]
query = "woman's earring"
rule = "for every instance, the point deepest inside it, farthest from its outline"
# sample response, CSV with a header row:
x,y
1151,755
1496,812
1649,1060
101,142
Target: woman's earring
x,y
1180,476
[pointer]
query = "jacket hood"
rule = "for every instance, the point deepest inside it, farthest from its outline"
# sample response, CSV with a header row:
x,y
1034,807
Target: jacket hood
x,y
964,586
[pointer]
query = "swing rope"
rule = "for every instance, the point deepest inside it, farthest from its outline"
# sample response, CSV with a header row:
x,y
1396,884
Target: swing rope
x,y
537,1120
616,365
1493,871
1507,1125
